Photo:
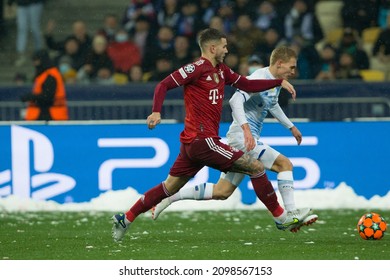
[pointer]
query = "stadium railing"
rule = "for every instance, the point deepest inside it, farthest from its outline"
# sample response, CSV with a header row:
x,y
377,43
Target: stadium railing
x,y
316,101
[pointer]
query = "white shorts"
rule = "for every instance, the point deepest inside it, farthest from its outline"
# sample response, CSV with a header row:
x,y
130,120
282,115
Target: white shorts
x,y
262,152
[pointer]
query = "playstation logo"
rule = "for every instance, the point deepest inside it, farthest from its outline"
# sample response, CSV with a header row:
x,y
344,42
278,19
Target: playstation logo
x,y
32,159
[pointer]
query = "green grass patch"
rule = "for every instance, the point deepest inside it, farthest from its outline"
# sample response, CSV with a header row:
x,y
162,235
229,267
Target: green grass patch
x,y
202,235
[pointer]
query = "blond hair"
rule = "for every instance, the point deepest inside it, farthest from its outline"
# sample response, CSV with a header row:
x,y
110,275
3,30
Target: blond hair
x,y
282,53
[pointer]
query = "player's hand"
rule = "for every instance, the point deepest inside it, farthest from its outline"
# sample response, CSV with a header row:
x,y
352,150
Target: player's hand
x,y
290,88
153,120
250,143
297,134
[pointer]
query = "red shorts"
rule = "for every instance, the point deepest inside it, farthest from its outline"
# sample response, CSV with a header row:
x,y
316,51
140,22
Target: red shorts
x,y
204,152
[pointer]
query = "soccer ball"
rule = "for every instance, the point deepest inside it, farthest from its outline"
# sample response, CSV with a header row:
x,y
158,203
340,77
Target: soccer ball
x,y
371,226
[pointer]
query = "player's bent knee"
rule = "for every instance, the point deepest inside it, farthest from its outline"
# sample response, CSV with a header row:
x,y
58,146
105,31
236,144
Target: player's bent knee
x,y
282,163
257,167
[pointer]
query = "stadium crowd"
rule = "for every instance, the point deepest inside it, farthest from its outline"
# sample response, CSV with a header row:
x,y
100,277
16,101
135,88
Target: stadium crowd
x,y
152,38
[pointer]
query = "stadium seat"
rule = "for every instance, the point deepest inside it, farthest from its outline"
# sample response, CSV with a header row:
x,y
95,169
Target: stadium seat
x,y
120,79
370,34
328,14
369,37
371,75
333,36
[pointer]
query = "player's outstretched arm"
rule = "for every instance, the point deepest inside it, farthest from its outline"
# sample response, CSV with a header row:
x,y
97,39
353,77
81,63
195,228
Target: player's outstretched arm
x,y
257,85
158,99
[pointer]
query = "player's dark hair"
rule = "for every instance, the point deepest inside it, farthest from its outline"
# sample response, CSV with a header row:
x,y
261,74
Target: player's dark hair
x,y
208,35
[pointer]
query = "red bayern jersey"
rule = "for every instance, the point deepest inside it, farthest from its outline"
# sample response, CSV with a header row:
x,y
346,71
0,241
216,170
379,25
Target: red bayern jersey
x,y
203,97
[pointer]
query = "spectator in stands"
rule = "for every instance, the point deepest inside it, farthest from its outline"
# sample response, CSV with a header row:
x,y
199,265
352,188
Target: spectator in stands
x,y
134,10
328,63
208,9
189,22
359,14
245,7
98,67
72,52
143,34
381,50
69,74
161,47
28,17
351,43
267,18
255,62
227,13
136,75
232,60
308,63
383,11
251,65
79,32
110,27
216,22
163,67
123,52
182,52
246,37
169,13
347,68
302,22
47,101
271,40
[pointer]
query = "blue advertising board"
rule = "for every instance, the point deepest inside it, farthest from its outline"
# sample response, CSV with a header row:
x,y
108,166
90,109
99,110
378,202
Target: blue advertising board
x,y
77,162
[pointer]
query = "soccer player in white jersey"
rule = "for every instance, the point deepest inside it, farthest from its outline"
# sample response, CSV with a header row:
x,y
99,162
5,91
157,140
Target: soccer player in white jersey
x,y
249,112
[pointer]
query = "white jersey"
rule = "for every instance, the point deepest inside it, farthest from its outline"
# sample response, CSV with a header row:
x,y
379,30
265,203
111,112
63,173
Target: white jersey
x,y
257,106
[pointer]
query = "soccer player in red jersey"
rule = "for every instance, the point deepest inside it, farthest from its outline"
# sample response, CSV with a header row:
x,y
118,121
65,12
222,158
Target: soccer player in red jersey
x,y
204,81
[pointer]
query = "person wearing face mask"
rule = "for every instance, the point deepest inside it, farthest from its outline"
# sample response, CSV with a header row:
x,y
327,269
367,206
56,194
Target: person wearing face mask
x,y
66,69
254,62
47,101
123,52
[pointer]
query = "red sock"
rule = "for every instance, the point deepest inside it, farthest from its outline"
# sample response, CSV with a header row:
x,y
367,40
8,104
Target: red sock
x,y
151,198
266,193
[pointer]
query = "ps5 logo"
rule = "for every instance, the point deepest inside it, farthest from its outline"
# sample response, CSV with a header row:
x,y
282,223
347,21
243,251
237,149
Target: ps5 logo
x,y
31,173
32,151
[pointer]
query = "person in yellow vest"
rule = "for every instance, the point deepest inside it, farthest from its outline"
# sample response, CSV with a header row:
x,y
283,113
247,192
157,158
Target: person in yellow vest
x,y
47,101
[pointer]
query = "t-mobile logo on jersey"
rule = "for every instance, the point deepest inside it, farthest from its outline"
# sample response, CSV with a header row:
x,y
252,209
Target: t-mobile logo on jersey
x,y
214,96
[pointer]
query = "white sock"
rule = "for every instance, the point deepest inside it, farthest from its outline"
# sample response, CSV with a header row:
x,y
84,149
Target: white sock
x,y
282,218
202,191
286,189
